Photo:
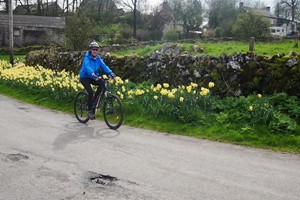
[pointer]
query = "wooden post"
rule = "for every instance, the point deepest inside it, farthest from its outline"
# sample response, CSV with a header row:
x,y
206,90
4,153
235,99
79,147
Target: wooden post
x,y
11,34
251,44
296,41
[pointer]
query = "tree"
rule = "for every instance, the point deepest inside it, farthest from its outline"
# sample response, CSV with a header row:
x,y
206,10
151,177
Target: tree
x,y
157,21
222,14
292,6
132,5
188,13
281,10
79,30
288,9
102,11
251,25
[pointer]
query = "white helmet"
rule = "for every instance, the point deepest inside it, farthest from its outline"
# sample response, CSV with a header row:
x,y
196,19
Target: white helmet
x,y
94,45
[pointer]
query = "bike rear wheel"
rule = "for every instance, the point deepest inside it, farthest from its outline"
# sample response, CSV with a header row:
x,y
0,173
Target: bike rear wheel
x,y
113,111
81,107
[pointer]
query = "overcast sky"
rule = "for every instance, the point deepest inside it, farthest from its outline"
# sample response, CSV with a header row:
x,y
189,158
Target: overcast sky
x,y
266,2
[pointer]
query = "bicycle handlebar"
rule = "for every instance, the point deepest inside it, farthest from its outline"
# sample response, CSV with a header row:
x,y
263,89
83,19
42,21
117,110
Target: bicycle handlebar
x,y
108,77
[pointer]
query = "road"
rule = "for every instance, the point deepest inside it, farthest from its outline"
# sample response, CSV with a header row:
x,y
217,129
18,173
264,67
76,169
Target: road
x,y
46,154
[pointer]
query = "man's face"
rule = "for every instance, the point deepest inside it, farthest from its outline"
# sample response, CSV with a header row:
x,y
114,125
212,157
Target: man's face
x,y
95,52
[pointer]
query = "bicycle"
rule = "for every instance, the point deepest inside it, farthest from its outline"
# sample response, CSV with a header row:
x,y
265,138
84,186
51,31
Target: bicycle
x,y
112,106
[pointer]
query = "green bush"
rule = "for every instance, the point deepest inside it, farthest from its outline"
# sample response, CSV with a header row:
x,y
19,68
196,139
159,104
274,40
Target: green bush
x,y
171,34
282,123
286,104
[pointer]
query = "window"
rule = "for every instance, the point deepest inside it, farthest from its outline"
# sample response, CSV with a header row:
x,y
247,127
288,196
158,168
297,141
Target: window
x,y
17,32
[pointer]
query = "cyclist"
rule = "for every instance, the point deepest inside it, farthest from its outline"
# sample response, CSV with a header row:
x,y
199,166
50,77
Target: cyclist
x,y
90,71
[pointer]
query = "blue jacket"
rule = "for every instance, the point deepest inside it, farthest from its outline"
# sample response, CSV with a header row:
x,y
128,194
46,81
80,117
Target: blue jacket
x,y
90,66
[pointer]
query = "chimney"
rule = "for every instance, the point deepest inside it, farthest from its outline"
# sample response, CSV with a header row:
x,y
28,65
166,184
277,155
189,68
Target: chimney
x,y
241,4
268,9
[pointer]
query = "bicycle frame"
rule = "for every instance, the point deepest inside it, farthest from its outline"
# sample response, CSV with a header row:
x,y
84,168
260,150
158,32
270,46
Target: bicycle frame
x,y
103,92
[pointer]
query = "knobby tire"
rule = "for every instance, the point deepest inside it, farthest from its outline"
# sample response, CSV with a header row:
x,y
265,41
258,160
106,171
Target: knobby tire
x,y
81,107
113,111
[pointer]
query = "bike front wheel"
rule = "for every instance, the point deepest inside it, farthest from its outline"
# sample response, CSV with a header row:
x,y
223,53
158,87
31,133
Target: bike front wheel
x,y
113,111
81,107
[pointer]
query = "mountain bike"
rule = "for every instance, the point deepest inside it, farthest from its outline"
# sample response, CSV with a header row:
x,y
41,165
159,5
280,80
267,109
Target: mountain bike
x,y
112,106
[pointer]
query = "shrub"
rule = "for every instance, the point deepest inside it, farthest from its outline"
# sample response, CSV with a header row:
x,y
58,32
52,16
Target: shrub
x,y
282,123
171,34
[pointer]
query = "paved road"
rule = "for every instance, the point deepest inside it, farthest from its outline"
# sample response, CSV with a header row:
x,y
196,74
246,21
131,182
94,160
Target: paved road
x,y
48,155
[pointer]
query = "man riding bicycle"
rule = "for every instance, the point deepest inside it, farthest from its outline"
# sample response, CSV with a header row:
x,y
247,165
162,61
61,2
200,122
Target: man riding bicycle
x,y
90,74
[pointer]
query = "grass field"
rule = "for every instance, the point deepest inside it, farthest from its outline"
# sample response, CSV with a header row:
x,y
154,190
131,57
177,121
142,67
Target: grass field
x,y
218,48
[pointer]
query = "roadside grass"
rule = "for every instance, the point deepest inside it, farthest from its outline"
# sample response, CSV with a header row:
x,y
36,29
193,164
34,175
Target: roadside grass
x,y
19,58
254,136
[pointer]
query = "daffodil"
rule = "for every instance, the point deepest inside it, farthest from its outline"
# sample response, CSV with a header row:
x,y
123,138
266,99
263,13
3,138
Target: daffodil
x,y
171,95
130,92
104,76
250,108
164,92
189,89
204,91
193,85
166,85
158,87
139,92
211,84
123,88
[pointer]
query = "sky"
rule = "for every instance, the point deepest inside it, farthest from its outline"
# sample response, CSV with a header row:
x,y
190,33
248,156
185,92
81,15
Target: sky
x,y
266,2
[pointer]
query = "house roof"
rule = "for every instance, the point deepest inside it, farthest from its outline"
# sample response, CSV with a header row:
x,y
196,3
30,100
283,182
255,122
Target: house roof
x,y
264,12
33,21
22,9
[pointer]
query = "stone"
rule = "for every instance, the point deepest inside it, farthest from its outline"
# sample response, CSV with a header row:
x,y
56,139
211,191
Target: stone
x,y
292,54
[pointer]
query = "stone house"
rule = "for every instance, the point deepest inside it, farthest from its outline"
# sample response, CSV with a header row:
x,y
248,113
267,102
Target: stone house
x,y
279,26
32,30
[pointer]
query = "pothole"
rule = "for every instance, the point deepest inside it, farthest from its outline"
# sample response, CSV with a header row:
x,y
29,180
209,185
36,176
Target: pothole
x,y
23,108
16,157
103,179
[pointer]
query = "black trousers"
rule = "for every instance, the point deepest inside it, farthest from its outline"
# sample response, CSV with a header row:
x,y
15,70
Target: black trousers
x,y
87,82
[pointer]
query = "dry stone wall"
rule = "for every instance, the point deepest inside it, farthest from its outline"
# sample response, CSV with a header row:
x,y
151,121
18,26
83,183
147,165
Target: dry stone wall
x,y
234,75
